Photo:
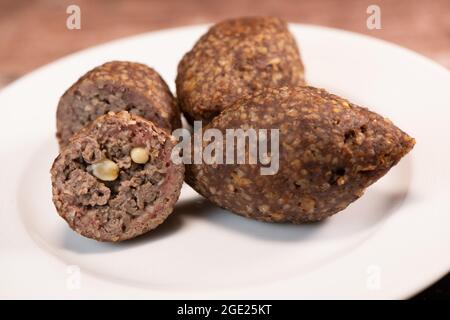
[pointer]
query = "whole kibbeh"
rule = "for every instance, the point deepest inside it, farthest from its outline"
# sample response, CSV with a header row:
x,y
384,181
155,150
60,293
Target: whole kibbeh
x,y
116,86
114,180
234,58
330,151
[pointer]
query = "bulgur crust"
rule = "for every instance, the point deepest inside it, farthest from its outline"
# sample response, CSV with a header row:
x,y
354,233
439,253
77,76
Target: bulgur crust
x,y
140,197
234,58
330,151
116,86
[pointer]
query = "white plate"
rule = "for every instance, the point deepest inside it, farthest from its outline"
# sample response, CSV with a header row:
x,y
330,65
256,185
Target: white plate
x,y
391,243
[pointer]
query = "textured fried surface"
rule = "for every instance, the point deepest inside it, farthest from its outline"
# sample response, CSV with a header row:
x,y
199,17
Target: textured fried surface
x,y
140,198
116,86
234,58
330,151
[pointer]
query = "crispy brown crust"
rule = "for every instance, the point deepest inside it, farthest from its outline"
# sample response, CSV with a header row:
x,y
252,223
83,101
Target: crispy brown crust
x,y
330,151
234,58
142,196
116,86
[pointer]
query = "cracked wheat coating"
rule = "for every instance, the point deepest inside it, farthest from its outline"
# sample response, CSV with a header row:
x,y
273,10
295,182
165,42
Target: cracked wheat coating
x,y
114,180
234,58
330,151
116,86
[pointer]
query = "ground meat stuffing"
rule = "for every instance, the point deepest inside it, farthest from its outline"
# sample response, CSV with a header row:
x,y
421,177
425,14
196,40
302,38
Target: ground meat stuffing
x,y
137,200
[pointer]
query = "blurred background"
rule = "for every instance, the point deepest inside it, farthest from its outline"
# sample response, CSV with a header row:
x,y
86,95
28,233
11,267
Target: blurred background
x,y
34,32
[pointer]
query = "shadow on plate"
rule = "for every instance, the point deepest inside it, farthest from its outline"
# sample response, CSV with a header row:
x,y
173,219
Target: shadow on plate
x,y
358,217
361,216
74,242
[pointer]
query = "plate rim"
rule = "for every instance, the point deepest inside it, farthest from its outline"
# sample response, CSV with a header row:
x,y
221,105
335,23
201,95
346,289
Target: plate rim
x,y
101,46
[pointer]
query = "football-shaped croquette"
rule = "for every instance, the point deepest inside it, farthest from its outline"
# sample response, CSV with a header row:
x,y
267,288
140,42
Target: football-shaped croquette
x,y
234,58
114,180
330,150
116,86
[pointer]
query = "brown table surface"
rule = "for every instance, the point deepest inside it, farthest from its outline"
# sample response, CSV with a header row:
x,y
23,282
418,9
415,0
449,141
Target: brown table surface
x,y
33,33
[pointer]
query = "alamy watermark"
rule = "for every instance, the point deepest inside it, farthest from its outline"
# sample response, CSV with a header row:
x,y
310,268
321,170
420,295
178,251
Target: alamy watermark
x,y
374,19
73,21
234,146
373,277
73,279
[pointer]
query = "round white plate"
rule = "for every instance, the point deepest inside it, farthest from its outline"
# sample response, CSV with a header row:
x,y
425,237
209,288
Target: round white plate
x,y
391,243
